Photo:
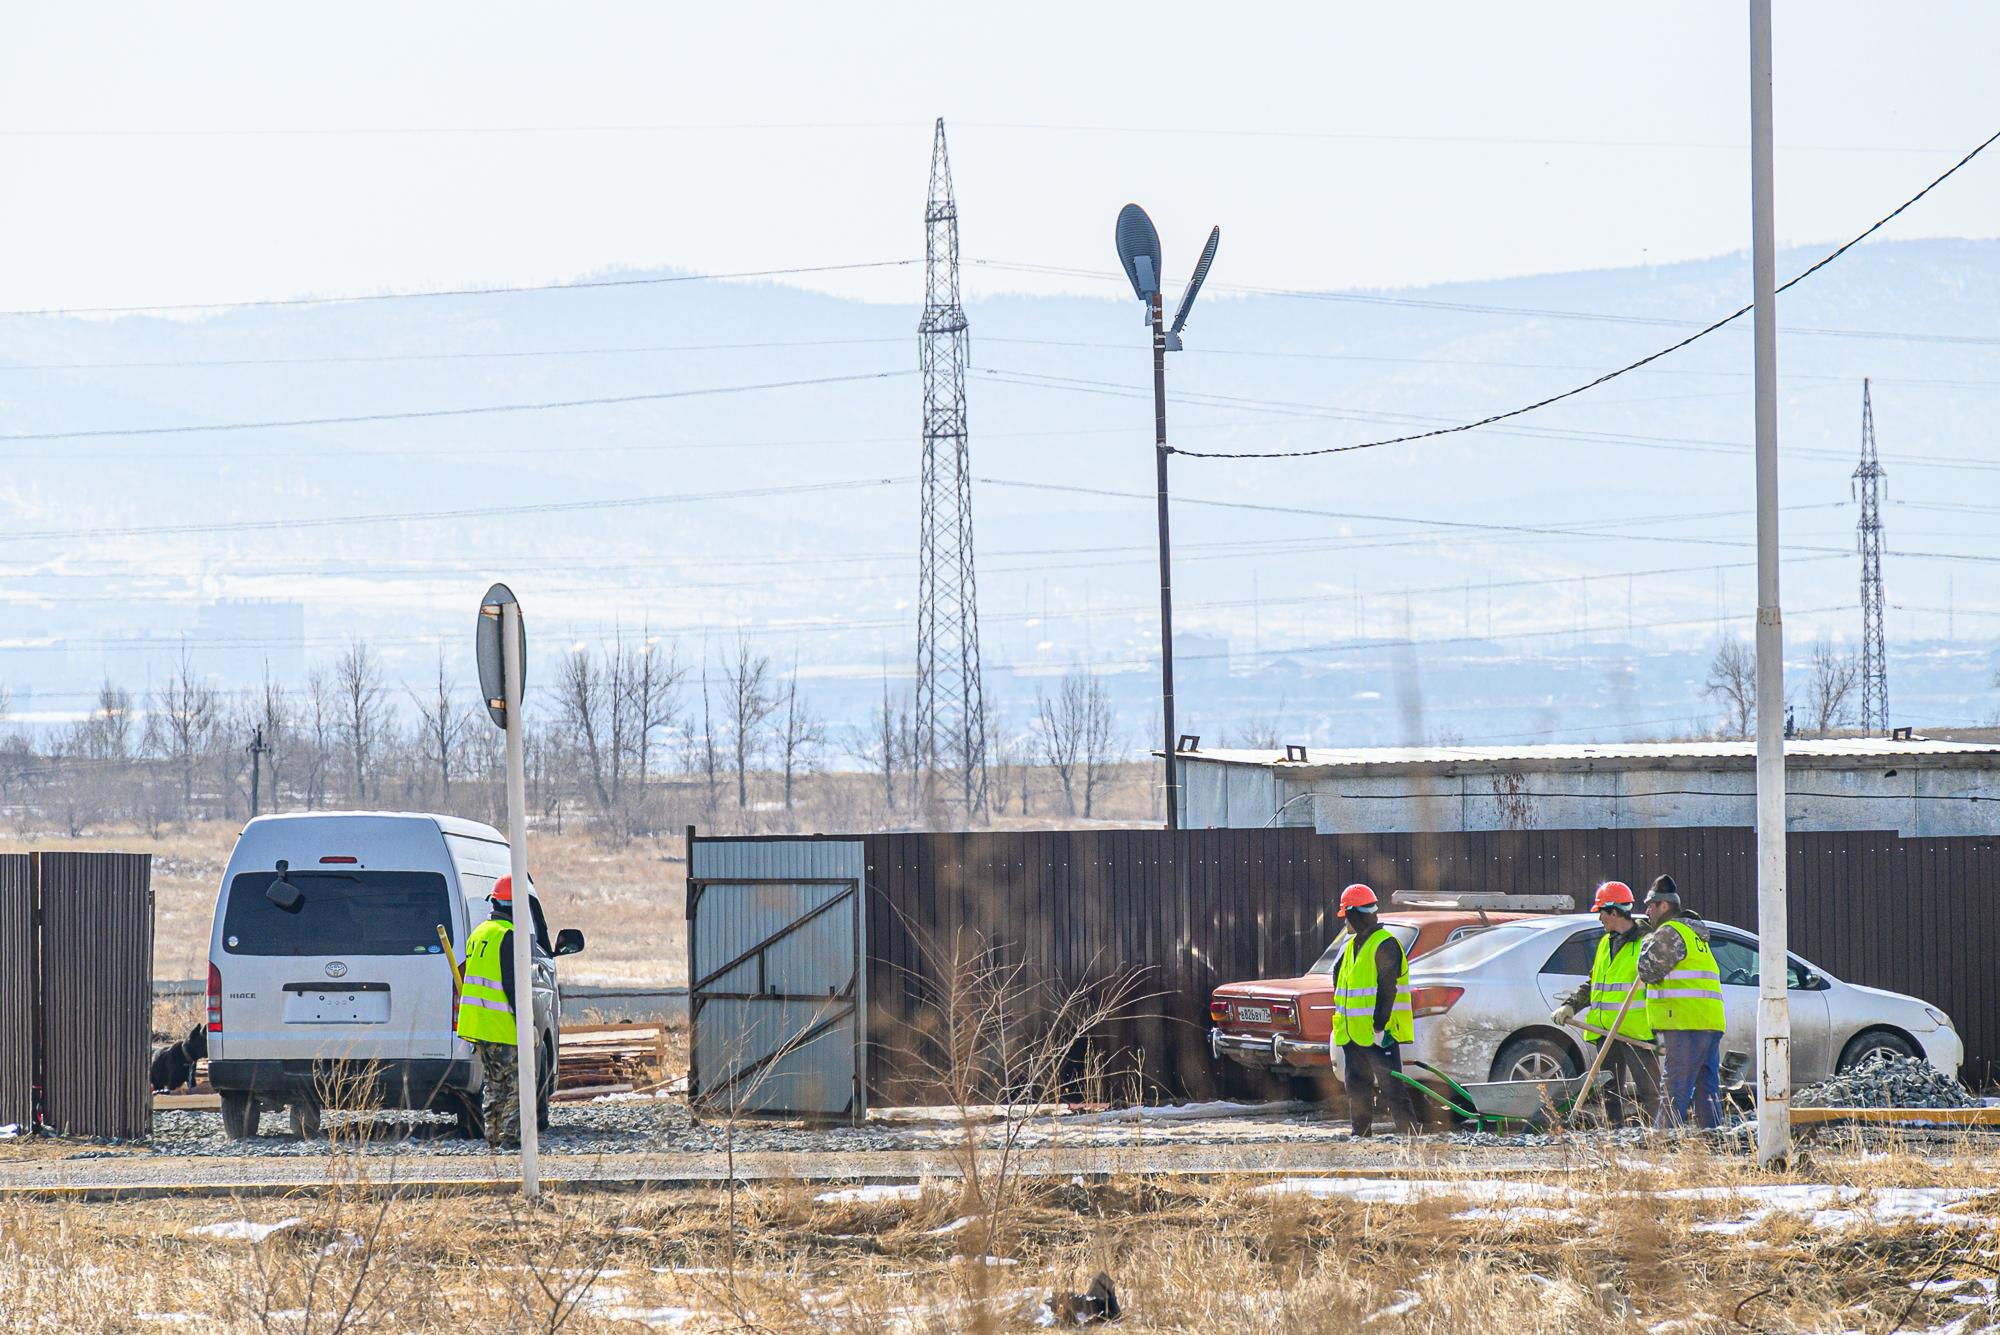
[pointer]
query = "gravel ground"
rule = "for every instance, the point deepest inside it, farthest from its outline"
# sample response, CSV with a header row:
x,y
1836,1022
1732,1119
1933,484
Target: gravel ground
x,y
664,1125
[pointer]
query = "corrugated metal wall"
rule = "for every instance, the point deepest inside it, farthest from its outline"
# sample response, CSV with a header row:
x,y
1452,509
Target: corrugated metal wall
x,y
774,951
17,990
77,991
1200,907
97,992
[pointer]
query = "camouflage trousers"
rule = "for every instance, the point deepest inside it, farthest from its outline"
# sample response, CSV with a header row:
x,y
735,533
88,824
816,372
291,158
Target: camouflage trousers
x,y
501,1099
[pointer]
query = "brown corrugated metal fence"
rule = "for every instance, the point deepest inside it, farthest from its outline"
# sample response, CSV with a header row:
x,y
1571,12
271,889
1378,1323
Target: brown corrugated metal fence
x,y
1200,907
76,982
17,990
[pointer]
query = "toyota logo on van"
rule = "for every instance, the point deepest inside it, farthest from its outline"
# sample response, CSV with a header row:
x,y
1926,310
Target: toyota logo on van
x,y
336,970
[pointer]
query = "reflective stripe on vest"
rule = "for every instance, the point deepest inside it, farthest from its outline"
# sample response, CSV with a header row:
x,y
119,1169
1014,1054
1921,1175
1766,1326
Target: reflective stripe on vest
x,y
1690,996
1612,979
1355,989
483,1012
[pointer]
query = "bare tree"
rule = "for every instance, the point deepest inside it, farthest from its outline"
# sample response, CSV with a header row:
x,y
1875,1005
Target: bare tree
x,y
710,758
801,733
1732,681
1060,725
584,701
653,685
442,723
106,735
358,676
320,730
1100,731
876,744
181,725
1265,732
278,720
1831,686
750,704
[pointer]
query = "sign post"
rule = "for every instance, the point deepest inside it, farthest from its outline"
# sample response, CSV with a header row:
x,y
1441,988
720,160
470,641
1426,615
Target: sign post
x,y
502,653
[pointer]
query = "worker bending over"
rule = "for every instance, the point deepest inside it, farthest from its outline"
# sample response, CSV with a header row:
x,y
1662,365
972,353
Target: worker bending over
x,y
1614,984
1684,1006
1372,1015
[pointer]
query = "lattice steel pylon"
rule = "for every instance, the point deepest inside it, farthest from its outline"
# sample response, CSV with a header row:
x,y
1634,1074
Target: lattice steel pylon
x,y
1867,486
951,697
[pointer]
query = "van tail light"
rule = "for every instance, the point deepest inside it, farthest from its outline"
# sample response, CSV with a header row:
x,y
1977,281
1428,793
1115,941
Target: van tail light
x,y
1218,1011
214,999
1434,1000
340,860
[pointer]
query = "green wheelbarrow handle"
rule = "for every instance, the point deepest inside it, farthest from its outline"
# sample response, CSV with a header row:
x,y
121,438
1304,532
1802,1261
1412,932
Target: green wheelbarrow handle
x,y
1468,1112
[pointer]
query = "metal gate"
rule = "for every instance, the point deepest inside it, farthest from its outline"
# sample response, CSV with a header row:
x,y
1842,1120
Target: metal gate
x,y
776,990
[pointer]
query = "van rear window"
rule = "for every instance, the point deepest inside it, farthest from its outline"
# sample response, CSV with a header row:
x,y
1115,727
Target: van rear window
x,y
355,912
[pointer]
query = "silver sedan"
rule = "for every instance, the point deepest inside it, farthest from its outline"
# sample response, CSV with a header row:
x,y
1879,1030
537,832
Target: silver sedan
x,y
1482,1005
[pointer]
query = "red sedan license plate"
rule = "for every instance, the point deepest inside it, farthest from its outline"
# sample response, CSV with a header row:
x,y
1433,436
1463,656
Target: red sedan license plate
x,y
1254,1014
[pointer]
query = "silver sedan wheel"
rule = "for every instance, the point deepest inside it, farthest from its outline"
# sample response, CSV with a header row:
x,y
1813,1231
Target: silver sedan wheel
x,y
1537,1065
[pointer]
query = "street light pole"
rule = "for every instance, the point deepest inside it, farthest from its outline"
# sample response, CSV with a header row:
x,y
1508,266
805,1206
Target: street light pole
x,y
1774,1015
1160,452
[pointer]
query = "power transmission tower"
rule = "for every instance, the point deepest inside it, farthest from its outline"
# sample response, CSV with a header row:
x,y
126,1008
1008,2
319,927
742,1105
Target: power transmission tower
x,y
1874,657
951,698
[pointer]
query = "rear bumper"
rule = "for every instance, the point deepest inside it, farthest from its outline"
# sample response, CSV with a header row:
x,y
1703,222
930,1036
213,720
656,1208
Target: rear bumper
x,y
414,1083
1269,1053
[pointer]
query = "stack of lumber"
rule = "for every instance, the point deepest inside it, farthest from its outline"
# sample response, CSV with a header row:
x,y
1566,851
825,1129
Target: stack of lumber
x,y
608,1058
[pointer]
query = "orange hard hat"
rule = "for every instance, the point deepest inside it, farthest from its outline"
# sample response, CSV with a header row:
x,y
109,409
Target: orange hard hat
x,y
1613,894
503,890
1358,896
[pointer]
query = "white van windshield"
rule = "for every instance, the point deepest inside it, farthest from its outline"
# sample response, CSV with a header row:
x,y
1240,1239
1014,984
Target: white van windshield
x,y
357,912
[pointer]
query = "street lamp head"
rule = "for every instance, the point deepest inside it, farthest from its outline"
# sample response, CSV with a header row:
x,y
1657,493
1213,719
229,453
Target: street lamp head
x,y
1139,251
1194,283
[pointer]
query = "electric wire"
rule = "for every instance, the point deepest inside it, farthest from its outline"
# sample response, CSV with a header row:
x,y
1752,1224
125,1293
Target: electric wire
x,y
1608,376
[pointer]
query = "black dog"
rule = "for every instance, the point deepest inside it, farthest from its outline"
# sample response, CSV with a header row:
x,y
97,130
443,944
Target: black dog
x,y
173,1065
1084,1309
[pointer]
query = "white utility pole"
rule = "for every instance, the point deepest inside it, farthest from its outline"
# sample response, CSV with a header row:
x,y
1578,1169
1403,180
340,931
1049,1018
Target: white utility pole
x,y
1774,1011
524,902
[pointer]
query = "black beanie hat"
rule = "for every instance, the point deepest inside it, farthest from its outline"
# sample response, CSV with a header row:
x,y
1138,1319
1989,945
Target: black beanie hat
x,y
1664,888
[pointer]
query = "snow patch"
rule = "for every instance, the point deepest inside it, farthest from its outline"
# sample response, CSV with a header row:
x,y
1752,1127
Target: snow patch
x,y
872,1195
242,1230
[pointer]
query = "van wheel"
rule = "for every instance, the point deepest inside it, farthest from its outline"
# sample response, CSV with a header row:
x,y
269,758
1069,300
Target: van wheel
x,y
545,1083
470,1121
240,1114
305,1120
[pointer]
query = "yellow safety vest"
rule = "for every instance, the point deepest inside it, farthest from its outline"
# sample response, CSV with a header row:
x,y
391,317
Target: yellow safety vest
x,y
1354,987
1690,996
483,1013
1612,978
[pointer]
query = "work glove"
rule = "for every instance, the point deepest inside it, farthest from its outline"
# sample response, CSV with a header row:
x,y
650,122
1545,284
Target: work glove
x,y
1386,1046
1563,1014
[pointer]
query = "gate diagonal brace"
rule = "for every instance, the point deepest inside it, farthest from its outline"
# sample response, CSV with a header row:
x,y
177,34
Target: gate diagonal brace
x,y
804,1039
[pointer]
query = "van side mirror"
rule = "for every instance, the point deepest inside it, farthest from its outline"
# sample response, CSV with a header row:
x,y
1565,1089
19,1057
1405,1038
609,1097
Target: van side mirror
x,y
569,941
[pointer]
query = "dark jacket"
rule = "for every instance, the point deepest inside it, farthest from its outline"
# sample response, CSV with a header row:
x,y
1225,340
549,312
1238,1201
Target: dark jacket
x,y
1578,999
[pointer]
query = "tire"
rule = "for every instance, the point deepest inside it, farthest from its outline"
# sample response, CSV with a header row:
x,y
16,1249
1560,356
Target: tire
x,y
545,1085
305,1120
1531,1057
1871,1041
469,1119
240,1114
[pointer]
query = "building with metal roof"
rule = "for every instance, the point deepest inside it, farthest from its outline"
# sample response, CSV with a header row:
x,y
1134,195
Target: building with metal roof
x,y
1915,786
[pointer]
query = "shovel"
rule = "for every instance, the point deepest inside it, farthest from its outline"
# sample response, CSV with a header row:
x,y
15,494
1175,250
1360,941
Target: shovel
x,y
1603,1051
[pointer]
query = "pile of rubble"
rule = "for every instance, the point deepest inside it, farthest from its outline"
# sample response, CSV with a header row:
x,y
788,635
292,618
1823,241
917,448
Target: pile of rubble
x,y
1887,1082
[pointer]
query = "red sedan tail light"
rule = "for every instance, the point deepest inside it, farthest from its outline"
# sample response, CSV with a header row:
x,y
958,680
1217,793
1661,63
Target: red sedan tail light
x,y
1434,1000
1218,1011
1282,1013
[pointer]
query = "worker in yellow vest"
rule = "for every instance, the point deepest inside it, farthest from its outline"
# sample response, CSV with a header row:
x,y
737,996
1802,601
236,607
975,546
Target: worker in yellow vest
x,y
1372,1015
486,1016
1614,976
1684,1006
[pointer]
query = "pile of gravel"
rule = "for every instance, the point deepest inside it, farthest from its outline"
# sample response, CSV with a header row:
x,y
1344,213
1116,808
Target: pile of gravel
x,y
1887,1082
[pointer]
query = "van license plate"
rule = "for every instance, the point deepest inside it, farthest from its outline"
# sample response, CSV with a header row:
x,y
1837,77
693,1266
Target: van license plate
x,y
1254,1014
336,1006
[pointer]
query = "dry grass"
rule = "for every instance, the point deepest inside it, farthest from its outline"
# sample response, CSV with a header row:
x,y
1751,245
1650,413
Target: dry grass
x,y
1205,1256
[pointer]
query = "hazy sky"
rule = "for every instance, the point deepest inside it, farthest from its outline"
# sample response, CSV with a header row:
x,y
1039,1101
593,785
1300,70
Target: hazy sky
x,y
167,153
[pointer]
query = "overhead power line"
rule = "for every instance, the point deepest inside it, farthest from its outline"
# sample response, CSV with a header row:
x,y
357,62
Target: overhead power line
x,y
1608,376
418,414
574,285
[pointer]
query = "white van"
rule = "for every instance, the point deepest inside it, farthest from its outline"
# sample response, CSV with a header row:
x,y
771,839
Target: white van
x,y
325,961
